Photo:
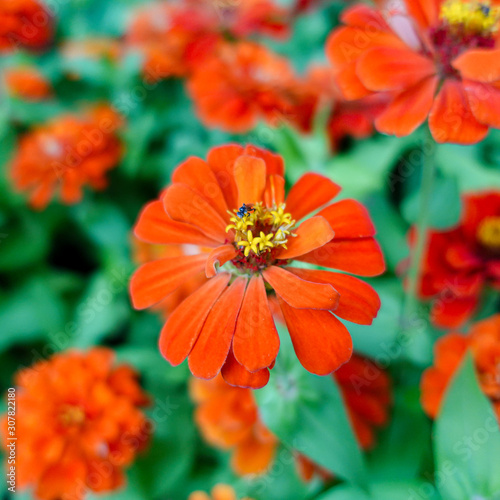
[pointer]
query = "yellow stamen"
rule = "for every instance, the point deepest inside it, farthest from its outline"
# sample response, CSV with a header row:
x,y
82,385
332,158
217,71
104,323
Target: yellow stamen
x,y
273,225
72,415
474,17
488,232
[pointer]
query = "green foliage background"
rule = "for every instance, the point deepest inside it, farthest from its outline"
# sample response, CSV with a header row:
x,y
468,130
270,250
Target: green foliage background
x,y
57,268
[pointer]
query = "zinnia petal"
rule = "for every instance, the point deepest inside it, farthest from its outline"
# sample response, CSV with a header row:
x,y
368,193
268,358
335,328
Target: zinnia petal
x,y
479,64
256,342
219,256
196,174
484,102
221,160
155,280
250,177
300,293
183,326
451,119
348,219
321,342
235,374
409,109
312,234
361,256
274,194
211,349
155,226
184,204
389,68
358,301
309,193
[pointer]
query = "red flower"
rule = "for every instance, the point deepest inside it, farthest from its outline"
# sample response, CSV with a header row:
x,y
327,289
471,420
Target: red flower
x,y
78,423
483,341
227,323
27,83
228,416
243,83
24,23
462,261
67,154
436,60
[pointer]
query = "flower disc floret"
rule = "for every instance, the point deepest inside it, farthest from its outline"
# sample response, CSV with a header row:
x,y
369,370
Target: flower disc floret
x,y
262,230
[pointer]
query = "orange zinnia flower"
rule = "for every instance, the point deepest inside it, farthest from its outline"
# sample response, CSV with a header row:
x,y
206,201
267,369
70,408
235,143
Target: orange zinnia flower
x,y
250,17
78,423
228,419
27,83
461,262
228,416
436,59
219,492
235,203
67,154
242,83
24,23
175,37
483,341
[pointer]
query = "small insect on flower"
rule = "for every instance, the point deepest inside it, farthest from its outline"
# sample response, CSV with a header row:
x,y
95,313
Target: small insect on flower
x,y
244,210
485,9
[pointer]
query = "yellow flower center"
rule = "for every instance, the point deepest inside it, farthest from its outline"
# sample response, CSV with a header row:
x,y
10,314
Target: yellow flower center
x,y
488,233
471,17
259,229
72,415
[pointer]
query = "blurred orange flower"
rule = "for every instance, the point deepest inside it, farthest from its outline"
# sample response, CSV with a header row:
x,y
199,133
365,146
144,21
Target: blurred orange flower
x,y
27,83
434,59
228,419
178,37
228,416
248,17
461,262
219,492
174,36
79,424
24,23
235,204
66,154
483,341
242,83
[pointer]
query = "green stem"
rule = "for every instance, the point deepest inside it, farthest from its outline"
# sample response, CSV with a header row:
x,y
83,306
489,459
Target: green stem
x,y
422,226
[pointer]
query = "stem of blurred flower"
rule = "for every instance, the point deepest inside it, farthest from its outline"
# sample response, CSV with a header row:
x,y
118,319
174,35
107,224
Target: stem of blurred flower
x,y
421,236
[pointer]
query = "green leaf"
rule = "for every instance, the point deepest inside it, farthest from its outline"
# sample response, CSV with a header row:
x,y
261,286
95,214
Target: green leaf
x,y
29,313
384,491
467,441
103,309
308,414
